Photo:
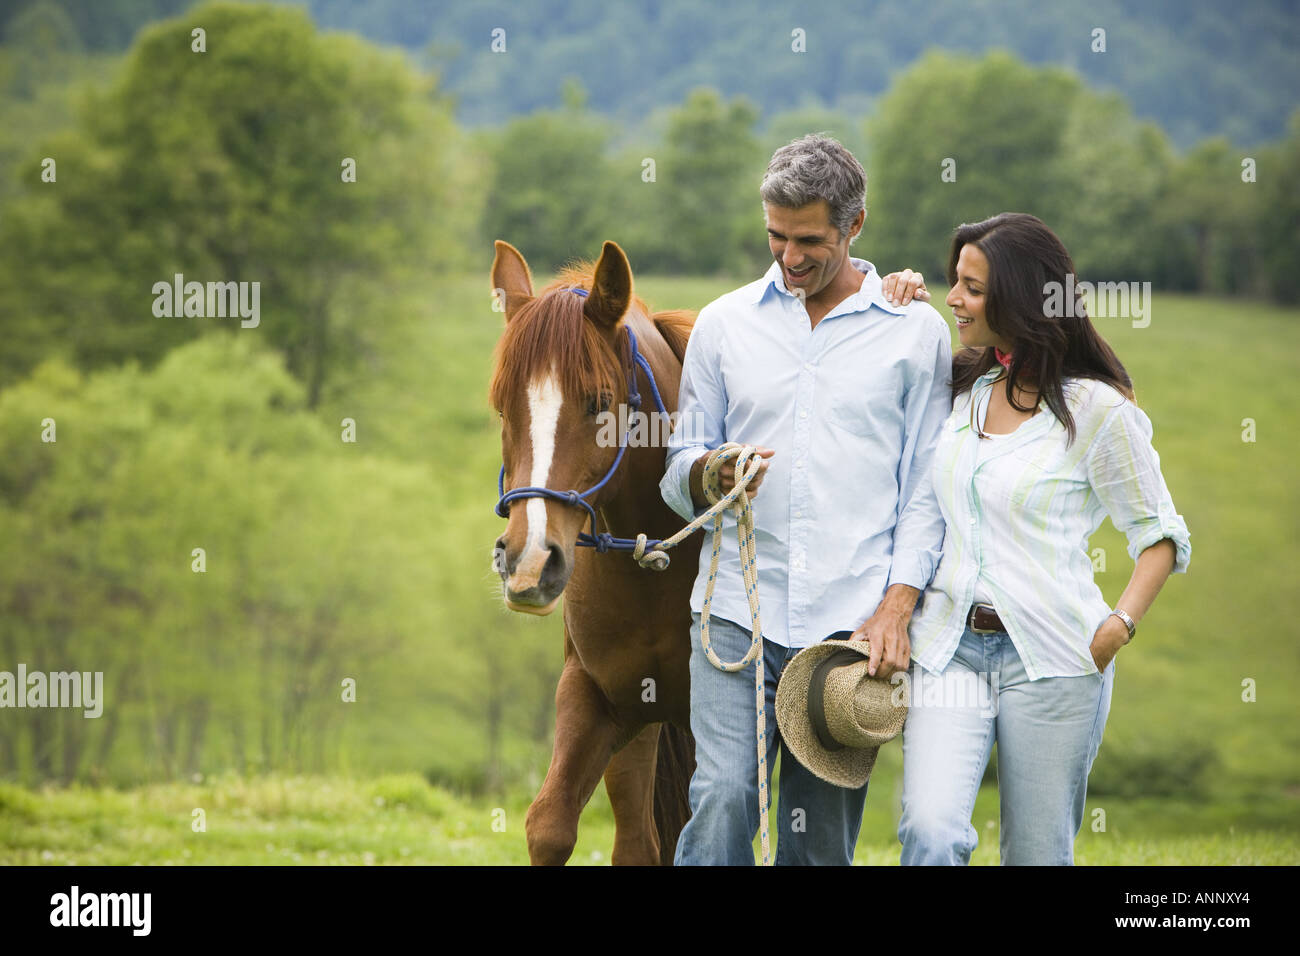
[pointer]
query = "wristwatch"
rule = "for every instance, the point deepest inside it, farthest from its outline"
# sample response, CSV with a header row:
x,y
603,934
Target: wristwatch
x,y
1128,621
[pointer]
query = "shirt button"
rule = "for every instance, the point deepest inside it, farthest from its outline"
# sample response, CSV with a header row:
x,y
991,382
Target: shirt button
x,y
972,520
807,366
798,514
803,413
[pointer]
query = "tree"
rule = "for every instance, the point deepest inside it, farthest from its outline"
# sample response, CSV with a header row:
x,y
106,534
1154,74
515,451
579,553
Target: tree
x,y
1113,169
233,657
41,68
792,124
1278,228
550,190
1208,217
959,140
709,182
230,165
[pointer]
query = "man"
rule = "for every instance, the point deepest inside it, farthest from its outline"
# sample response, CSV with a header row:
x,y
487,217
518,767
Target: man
x,y
844,393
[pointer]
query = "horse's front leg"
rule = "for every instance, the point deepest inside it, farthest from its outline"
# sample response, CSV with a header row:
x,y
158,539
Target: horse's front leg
x,y
584,740
629,781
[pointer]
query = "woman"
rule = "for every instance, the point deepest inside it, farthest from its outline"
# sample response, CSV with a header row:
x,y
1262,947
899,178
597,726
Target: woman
x,y
1013,642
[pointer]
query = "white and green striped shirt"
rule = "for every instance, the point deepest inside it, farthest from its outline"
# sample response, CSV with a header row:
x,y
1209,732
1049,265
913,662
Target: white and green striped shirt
x,y
1019,514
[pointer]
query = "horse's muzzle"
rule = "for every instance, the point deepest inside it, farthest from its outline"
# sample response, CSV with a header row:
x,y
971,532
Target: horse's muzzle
x,y
532,580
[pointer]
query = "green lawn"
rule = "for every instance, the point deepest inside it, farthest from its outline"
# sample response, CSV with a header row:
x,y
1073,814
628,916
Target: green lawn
x,y
403,820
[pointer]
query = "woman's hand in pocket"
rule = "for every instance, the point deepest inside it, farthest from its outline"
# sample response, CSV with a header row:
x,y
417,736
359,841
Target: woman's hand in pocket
x,y
1110,637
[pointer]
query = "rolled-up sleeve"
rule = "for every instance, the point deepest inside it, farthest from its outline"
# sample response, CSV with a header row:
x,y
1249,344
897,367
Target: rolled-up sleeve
x,y
918,535
702,409
1124,471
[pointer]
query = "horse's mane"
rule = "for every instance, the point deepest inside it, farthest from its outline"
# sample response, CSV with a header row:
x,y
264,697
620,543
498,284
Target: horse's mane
x,y
675,327
566,342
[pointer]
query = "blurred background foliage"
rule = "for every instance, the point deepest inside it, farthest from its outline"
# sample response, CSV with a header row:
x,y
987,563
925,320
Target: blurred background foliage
x,y
328,560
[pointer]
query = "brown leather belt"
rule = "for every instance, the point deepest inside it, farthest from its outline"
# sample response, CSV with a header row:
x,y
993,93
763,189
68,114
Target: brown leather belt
x,y
982,619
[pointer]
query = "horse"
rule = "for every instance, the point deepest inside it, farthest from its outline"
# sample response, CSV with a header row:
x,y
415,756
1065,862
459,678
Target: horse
x,y
569,356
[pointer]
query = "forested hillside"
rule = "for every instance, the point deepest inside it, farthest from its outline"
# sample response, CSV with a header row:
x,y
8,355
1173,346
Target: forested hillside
x,y
1195,67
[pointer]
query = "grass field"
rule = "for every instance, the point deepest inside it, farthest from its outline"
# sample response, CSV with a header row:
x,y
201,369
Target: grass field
x,y
1201,758
317,821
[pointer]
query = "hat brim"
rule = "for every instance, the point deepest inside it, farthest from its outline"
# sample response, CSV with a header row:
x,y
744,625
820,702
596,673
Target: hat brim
x,y
849,768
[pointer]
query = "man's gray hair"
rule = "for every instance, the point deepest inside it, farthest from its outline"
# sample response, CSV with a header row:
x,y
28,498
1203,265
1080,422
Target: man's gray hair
x,y
817,167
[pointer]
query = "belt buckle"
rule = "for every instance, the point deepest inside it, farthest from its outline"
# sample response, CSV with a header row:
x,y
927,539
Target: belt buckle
x,y
970,619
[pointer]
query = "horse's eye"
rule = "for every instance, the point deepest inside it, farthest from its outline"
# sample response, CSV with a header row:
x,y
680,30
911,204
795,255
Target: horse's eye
x,y
598,404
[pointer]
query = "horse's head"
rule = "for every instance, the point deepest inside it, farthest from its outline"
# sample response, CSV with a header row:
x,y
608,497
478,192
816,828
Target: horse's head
x,y
559,364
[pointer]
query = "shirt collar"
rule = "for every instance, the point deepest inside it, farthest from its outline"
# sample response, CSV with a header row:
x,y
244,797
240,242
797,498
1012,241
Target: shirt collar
x,y
961,413
868,295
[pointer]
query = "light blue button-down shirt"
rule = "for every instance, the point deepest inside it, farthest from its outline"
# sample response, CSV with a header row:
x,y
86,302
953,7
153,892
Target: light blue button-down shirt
x,y
853,409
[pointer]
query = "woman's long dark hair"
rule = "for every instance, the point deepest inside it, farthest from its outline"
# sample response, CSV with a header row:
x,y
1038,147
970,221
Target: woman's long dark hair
x,y
1025,257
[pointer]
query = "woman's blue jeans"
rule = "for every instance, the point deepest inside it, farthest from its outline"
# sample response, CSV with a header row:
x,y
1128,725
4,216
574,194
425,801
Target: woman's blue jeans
x,y
1047,731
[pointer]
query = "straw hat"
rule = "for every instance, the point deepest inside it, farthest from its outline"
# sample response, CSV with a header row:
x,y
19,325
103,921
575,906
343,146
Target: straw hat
x,y
832,715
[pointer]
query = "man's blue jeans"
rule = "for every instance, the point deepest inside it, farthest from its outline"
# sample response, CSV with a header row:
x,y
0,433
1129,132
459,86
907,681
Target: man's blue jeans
x,y
814,823
1048,732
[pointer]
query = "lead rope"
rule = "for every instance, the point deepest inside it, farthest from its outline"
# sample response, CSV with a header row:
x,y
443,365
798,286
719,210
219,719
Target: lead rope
x,y
748,464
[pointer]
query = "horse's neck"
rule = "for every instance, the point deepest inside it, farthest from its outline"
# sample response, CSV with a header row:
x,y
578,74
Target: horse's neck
x,y
663,362
637,505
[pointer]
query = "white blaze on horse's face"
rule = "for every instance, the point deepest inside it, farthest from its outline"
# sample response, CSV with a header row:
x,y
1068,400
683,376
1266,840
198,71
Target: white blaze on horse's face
x,y
545,400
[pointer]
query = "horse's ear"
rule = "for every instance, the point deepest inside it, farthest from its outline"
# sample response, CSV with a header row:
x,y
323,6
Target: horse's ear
x,y
611,288
511,278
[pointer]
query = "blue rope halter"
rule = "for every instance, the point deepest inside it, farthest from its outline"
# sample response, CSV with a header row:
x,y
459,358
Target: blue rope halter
x,y
601,541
